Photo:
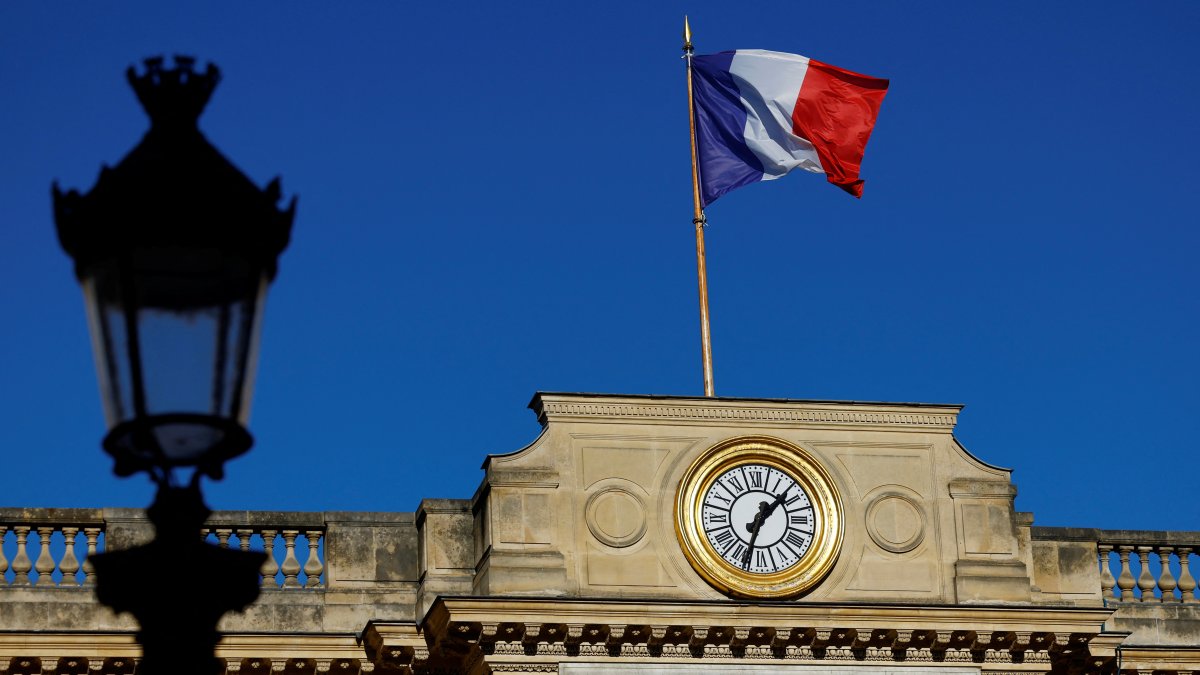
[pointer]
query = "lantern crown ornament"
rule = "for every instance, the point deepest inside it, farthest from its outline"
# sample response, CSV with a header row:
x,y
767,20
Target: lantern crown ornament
x,y
174,188
174,248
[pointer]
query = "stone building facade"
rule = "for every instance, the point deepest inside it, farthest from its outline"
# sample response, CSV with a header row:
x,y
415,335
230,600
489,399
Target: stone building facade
x,y
596,549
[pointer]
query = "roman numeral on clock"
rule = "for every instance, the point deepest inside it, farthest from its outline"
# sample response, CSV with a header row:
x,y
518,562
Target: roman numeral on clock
x,y
798,518
738,487
723,536
778,550
796,539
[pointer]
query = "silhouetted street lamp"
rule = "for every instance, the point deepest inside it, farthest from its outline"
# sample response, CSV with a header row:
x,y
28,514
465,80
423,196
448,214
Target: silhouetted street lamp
x,y
174,249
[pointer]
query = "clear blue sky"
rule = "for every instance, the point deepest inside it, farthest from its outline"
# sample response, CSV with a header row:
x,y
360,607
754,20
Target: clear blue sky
x,y
495,199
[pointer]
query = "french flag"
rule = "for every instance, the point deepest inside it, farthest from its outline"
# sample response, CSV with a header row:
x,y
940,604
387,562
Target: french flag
x,y
760,114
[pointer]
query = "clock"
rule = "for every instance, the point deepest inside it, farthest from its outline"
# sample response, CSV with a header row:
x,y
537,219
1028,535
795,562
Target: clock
x,y
758,517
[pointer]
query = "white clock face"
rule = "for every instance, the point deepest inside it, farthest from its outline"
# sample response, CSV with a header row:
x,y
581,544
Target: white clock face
x,y
758,518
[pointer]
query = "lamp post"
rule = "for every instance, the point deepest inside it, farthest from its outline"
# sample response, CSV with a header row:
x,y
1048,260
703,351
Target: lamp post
x,y
174,249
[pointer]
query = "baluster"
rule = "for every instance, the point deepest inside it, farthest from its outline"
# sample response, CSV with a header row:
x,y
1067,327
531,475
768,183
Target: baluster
x,y
92,534
21,564
1187,585
244,539
1145,580
3,560
270,568
1125,578
45,562
223,537
1166,581
1107,581
291,566
204,534
313,566
69,564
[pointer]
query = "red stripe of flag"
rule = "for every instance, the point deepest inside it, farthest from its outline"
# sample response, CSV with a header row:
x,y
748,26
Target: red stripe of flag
x,y
835,111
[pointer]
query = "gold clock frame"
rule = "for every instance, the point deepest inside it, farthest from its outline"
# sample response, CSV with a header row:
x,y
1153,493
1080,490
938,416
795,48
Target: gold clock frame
x,y
806,471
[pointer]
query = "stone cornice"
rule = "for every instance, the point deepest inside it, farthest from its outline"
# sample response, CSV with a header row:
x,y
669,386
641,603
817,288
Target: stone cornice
x,y
316,646
742,412
934,617
118,652
1131,537
1159,659
44,644
515,631
38,516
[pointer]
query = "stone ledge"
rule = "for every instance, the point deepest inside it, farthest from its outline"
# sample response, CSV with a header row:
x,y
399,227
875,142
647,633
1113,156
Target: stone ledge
x,y
1129,537
1142,659
118,652
740,412
370,517
637,610
517,634
10,516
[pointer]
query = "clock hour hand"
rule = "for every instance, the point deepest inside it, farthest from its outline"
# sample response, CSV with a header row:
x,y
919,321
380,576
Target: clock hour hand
x,y
753,527
764,511
775,504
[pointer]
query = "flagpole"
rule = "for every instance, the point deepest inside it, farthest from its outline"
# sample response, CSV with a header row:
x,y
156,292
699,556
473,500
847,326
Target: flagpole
x,y
699,221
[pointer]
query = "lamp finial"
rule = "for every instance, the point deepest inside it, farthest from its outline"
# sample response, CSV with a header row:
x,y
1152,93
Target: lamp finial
x,y
173,96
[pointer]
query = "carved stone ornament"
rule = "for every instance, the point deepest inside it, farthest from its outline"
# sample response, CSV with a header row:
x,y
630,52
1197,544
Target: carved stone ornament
x,y
895,522
616,517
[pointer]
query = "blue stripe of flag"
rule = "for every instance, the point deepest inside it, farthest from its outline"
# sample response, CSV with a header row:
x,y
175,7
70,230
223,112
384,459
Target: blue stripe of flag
x,y
726,162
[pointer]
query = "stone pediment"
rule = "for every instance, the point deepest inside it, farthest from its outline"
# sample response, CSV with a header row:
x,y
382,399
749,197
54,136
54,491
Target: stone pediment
x,y
589,509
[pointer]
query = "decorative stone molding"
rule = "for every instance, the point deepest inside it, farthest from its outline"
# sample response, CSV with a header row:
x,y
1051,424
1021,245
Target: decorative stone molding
x,y
895,521
521,478
1138,660
764,412
395,648
47,653
126,665
616,516
518,633
982,489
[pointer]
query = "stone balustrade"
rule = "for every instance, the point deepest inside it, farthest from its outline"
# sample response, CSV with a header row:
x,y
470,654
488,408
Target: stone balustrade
x,y
329,571
49,547
1142,566
42,548
1148,577
1137,566
281,543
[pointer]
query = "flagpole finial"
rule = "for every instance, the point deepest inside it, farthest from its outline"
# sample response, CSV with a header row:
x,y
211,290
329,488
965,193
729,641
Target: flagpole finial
x,y
687,35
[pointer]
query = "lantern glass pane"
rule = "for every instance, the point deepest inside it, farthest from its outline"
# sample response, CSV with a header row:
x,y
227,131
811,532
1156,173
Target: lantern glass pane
x,y
110,342
176,340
